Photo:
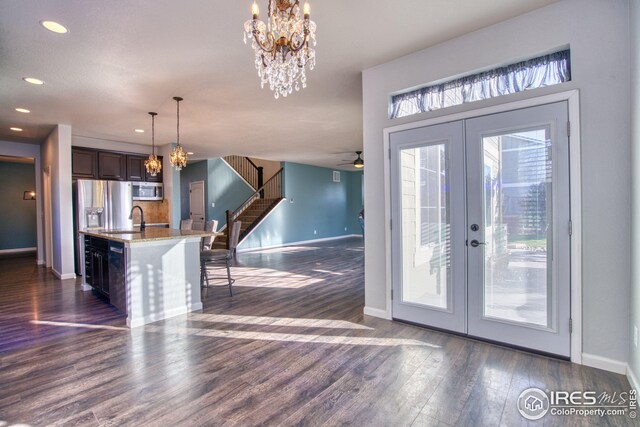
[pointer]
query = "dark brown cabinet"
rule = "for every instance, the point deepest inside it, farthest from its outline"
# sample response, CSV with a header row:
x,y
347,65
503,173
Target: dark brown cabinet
x,y
135,168
87,163
97,264
84,163
112,166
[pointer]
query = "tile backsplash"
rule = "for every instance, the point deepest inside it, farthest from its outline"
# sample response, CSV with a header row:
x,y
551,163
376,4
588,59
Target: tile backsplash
x,y
154,211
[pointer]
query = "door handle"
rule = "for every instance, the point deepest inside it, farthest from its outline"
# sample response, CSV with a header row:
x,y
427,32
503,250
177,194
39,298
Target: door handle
x,y
475,243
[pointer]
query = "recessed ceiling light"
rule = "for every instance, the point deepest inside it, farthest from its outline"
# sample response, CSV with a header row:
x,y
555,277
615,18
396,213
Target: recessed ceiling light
x,y
16,129
139,130
33,81
190,153
22,110
54,27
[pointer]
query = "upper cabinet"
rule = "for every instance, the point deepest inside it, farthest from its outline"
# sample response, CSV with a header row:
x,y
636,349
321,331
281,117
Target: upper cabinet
x,y
84,163
112,166
135,168
137,172
87,163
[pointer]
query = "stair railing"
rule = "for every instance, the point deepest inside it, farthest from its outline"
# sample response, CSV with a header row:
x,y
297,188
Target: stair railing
x,y
249,171
272,189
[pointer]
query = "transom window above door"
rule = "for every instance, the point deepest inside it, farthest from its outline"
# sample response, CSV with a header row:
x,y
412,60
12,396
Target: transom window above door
x,y
534,73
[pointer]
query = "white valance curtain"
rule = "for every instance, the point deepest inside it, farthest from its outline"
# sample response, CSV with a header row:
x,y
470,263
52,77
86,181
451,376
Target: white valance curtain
x,y
537,72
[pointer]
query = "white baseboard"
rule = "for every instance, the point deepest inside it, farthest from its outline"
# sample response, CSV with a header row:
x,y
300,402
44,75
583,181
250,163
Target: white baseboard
x,y
302,242
40,262
154,317
376,312
63,276
17,250
633,380
604,363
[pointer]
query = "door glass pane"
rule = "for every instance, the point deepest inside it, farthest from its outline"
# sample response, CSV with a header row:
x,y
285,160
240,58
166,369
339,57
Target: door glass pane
x,y
517,226
425,226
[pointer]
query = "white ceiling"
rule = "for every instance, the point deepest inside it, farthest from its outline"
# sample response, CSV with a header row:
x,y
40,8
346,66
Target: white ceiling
x,y
123,58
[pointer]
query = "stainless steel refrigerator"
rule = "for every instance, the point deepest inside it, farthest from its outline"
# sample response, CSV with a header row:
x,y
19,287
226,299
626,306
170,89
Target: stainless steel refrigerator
x,y
99,204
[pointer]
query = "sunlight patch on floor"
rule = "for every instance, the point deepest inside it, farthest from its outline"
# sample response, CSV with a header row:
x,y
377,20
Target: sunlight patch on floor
x,y
335,273
288,250
278,321
249,276
78,325
302,338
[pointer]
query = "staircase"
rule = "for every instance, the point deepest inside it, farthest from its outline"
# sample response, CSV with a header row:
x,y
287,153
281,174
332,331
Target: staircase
x,y
249,171
254,209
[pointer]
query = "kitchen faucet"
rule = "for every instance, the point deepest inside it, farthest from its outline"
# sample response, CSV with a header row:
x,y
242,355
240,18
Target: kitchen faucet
x,y
142,225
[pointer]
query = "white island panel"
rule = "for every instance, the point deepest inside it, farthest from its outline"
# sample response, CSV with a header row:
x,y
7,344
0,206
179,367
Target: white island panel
x,y
163,279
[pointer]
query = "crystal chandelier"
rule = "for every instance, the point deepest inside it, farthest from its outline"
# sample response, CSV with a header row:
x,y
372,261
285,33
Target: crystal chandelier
x,y
282,51
152,164
178,156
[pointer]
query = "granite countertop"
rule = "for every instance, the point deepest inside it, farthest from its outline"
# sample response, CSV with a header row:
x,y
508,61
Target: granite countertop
x,y
149,234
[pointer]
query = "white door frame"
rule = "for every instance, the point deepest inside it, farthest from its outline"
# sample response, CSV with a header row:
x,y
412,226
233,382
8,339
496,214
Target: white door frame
x,y
575,185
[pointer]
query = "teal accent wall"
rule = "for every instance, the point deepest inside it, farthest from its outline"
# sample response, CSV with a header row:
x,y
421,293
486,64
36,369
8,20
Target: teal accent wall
x,y
226,189
18,218
222,186
319,204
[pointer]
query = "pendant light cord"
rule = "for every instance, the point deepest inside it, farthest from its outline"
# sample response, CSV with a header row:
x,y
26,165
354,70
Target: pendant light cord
x,y
178,121
153,134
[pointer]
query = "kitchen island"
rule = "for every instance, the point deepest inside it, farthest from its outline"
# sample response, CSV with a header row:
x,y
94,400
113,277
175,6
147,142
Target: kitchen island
x,y
149,275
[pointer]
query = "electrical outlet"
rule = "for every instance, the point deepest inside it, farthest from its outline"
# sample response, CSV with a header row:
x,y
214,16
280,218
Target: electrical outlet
x,y
635,335
213,204
315,232
345,229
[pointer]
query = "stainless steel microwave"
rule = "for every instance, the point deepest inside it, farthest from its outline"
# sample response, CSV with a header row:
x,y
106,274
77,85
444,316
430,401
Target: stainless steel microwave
x,y
147,191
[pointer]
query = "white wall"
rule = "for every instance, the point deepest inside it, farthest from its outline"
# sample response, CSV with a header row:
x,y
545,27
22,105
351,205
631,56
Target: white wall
x,y
597,33
17,149
56,155
634,19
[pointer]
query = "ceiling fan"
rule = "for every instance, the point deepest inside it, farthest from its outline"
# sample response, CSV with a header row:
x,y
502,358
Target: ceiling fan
x,y
357,163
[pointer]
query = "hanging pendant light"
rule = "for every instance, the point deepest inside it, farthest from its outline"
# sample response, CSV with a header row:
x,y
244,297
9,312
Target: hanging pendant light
x,y
283,46
153,164
178,156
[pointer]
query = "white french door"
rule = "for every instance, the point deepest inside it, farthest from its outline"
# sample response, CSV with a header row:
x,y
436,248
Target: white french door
x,y
427,166
480,214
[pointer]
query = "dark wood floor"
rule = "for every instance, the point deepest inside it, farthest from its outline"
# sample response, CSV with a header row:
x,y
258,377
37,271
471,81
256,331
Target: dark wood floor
x,y
291,347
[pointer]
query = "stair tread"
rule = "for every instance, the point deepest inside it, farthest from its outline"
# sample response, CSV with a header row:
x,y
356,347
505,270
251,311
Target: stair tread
x,y
255,211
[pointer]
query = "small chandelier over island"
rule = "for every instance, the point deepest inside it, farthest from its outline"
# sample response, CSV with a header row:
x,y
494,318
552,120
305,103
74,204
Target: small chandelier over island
x,y
282,51
178,156
153,164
